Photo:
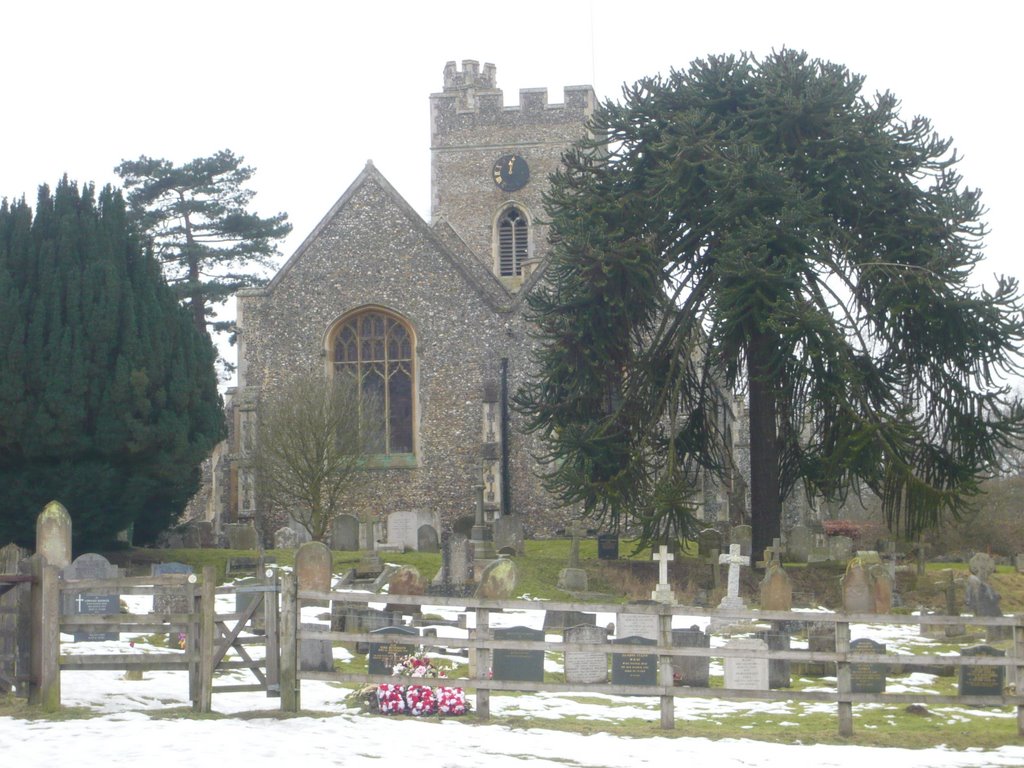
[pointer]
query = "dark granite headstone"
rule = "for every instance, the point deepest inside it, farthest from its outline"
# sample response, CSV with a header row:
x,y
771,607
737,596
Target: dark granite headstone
x,y
511,664
778,670
867,678
607,546
345,533
982,681
386,654
426,539
691,670
90,566
635,668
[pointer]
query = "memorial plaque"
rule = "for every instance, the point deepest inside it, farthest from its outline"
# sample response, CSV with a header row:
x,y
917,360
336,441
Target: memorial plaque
x,y
586,666
515,664
867,678
607,546
743,673
90,566
982,681
691,670
384,655
635,668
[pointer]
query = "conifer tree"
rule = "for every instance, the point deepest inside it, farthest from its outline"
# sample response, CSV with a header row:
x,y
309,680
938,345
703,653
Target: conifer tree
x,y
764,224
108,396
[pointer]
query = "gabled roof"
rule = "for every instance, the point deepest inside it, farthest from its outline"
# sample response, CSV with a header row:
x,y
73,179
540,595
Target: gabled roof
x,y
442,236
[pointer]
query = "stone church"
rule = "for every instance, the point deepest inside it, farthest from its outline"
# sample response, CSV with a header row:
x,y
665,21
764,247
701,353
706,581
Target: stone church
x,y
428,315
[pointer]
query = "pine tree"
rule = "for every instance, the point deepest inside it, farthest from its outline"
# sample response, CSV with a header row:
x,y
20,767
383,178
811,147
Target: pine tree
x,y
108,398
764,223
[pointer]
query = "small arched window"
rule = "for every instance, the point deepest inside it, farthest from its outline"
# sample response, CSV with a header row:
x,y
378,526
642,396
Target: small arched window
x,y
376,349
513,232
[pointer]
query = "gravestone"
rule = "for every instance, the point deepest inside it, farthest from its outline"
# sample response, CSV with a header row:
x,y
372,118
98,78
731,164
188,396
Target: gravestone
x,y
53,535
509,534
840,548
90,566
586,666
709,541
663,592
350,618
982,681
607,546
345,534
407,580
286,538
635,668
637,624
979,596
514,664
560,620
313,568
498,581
798,544
734,559
403,527
864,677
426,539
742,535
199,534
821,638
241,536
881,588
691,670
778,669
776,589
460,560
393,646
177,600
856,588
746,672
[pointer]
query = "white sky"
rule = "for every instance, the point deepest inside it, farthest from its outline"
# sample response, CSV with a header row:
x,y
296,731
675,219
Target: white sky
x,y
307,92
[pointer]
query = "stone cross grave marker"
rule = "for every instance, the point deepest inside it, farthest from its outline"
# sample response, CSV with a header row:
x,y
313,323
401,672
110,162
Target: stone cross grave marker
x,y
734,560
663,592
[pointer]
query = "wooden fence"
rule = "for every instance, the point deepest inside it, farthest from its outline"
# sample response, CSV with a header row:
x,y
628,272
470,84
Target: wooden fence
x,y
482,642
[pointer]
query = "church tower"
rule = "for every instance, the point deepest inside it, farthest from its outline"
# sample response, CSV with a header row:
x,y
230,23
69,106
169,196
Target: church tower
x,y
490,164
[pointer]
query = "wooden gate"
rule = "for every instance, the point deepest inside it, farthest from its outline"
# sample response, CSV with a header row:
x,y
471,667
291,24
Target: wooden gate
x,y
258,619
15,587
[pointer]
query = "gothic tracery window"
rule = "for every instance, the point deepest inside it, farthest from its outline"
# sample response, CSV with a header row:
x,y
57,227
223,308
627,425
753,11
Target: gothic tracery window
x,y
376,348
513,231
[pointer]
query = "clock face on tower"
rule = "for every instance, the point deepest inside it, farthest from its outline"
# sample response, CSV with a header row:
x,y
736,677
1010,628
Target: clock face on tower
x,y
511,173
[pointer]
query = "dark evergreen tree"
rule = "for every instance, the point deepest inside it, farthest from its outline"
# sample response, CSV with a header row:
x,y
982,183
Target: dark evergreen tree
x,y
202,231
108,395
765,223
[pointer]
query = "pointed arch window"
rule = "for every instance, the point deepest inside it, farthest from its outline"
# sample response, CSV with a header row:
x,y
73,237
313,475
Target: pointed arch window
x,y
376,349
513,232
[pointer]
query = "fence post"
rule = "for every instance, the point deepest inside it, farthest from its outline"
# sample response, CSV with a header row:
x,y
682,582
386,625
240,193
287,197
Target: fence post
x,y
668,703
1018,651
44,687
207,629
192,642
843,682
271,624
483,663
289,677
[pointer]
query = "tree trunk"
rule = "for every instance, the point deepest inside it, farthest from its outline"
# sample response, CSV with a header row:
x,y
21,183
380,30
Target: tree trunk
x,y
765,496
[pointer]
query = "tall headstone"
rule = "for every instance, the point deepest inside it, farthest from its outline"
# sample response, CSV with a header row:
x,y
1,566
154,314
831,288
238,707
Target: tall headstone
x,y
798,543
77,603
313,573
742,535
345,534
709,541
509,534
856,587
53,535
746,672
586,666
776,589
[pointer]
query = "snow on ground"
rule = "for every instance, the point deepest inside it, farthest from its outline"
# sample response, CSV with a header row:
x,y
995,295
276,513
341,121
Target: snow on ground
x,y
128,729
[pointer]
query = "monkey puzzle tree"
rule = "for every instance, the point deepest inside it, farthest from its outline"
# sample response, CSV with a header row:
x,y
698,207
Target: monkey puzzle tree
x,y
765,225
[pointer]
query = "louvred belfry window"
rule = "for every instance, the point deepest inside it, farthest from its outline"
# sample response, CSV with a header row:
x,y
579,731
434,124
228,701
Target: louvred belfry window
x,y
377,349
512,242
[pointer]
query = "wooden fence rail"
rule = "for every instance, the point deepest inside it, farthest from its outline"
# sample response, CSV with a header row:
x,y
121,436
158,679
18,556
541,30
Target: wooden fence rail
x,y
482,643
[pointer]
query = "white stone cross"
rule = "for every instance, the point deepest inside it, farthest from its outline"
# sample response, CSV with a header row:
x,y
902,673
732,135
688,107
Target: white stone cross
x,y
734,560
79,602
664,557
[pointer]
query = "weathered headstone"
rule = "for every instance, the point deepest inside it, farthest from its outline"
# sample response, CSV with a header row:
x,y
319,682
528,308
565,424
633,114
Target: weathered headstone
x,y
313,573
241,536
560,620
798,544
709,541
691,670
778,669
840,548
403,526
742,535
982,681
856,587
746,672
586,666
426,539
168,601
865,677
979,596
393,646
199,534
635,668
508,533
53,535
90,566
515,664
407,580
881,588
285,538
460,560
499,579
345,533
776,589
637,624
821,638
607,546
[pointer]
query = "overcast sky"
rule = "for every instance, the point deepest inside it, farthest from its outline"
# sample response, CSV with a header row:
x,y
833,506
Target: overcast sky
x,y
308,92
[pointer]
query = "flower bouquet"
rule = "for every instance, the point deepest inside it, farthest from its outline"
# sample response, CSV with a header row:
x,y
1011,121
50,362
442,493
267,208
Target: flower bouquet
x,y
420,700
451,701
390,699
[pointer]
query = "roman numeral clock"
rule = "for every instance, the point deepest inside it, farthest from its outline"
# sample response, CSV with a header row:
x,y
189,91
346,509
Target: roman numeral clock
x,y
511,173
